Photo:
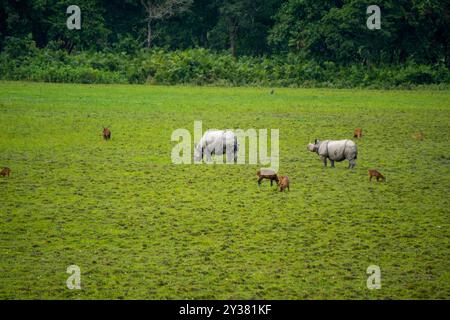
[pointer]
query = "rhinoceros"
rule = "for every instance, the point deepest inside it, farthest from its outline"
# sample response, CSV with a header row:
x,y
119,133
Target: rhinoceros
x,y
217,142
339,150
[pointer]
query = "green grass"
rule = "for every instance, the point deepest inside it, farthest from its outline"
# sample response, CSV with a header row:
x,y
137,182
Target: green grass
x,y
140,227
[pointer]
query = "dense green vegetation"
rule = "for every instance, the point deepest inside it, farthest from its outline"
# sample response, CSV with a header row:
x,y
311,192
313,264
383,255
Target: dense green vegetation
x,y
323,30
203,67
228,42
139,226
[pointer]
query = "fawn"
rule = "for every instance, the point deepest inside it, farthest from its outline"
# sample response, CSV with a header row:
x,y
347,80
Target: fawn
x,y
284,183
5,172
376,174
357,133
106,134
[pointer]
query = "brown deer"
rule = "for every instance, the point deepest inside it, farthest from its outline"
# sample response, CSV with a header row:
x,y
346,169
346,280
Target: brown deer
x,y
5,172
106,134
376,174
357,133
267,174
418,136
284,183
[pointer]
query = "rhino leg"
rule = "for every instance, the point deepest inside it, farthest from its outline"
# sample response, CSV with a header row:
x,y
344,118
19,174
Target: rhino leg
x,y
351,164
208,156
324,161
332,163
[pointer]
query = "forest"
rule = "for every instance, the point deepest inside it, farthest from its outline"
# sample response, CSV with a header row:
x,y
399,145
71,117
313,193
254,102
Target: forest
x,y
227,42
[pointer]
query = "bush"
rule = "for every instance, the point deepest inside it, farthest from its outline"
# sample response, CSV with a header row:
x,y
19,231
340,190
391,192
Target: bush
x,y
19,47
22,61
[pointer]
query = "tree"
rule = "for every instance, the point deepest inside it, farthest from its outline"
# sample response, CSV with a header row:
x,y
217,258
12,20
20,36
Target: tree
x,y
46,22
124,19
189,29
93,34
297,25
243,25
162,9
335,30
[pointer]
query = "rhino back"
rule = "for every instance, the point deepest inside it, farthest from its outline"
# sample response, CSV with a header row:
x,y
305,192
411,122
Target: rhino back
x,y
338,150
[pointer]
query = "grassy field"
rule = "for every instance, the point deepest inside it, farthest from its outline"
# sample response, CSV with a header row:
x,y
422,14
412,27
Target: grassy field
x,y
139,226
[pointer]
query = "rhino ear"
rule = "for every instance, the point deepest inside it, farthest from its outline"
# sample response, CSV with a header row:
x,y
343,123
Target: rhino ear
x,y
315,141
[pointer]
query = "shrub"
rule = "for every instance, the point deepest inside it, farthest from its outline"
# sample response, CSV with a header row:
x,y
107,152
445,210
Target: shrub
x,y
21,60
20,47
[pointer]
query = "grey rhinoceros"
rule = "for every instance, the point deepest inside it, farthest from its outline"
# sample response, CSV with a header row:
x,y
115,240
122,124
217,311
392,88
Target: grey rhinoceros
x,y
338,150
217,142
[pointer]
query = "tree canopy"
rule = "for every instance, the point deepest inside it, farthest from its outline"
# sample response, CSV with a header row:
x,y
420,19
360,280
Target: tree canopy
x,y
320,30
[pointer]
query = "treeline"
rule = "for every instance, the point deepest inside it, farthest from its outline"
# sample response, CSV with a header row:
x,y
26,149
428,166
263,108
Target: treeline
x,y
322,30
231,42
